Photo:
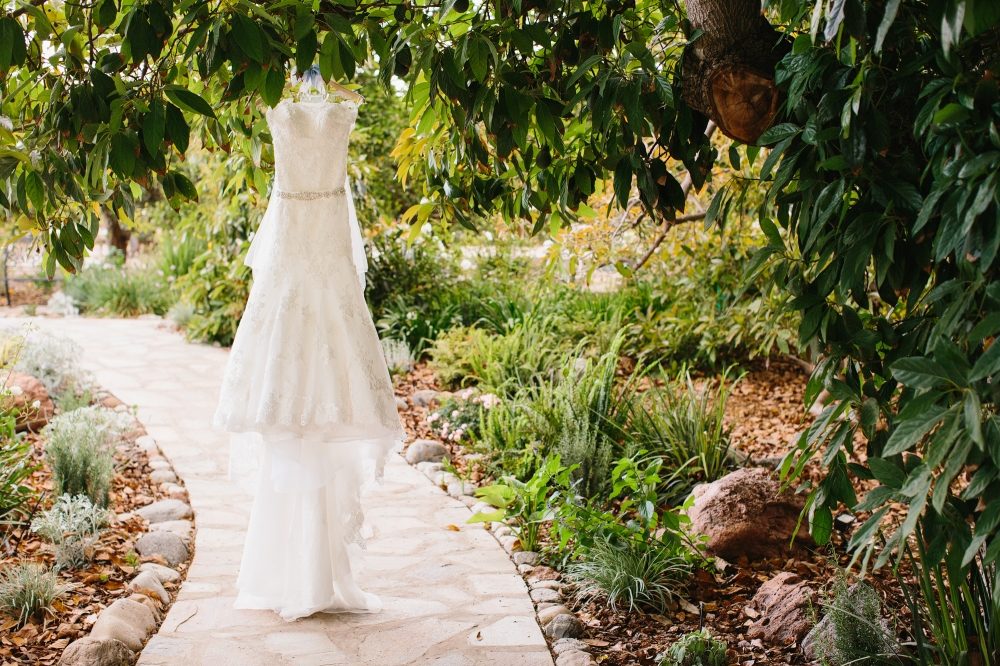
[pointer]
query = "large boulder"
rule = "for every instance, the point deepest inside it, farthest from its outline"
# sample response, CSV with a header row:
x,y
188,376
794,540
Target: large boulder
x,y
783,605
24,391
746,514
90,651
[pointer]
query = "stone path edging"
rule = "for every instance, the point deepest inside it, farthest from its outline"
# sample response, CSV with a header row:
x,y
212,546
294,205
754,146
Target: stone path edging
x,y
452,597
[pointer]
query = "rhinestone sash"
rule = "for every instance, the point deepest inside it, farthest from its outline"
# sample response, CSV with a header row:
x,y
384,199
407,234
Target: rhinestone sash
x,y
310,196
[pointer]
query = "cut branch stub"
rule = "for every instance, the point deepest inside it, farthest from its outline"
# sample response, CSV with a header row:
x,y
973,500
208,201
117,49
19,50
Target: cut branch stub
x,y
728,72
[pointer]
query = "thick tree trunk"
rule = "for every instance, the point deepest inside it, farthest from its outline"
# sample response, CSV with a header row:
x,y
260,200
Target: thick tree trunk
x,y
728,72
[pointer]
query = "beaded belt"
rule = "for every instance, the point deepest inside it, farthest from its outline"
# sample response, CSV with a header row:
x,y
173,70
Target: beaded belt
x,y
310,196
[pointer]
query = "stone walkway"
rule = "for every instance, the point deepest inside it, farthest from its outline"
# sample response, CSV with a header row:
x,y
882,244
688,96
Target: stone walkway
x,y
452,598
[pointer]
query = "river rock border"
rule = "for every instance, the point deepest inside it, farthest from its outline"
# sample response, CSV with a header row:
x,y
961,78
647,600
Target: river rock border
x,y
562,628
119,632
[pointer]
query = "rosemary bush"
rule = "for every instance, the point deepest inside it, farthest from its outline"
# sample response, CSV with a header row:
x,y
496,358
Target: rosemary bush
x,y
80,448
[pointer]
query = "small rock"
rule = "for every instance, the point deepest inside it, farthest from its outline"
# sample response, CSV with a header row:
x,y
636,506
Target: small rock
x,y
444,479
148,603
525,569
91,651
784,604
483,507
167,544
176,492
111,401
401,404
163,476
545,604
121,408
28,391
159,464
461,488
510,543
566,644
147,444
424,398
127,621
574,658
548,614
527,557
147,580
546,584
181,528
426,450
545,594
564,626
164,574
467,500
429,468
746,514
543,573
501,531
164,510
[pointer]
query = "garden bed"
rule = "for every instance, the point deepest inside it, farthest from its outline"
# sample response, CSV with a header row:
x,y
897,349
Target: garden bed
x,y
114,562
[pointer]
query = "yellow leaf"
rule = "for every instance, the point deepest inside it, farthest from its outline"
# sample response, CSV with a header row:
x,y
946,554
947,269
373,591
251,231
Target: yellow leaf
x,y
410,212
123,216
24,223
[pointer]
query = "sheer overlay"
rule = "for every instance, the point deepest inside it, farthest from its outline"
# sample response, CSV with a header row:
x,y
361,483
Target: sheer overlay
x,y
306,394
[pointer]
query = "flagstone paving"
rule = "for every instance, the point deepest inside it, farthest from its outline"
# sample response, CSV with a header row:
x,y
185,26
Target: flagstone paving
x,y
452,598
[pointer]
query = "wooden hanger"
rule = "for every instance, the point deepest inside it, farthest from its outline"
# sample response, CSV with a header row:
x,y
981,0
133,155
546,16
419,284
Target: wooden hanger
x,y
312,78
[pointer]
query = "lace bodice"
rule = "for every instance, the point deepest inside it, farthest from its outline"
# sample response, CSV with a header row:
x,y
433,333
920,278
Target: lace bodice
x,y
297,128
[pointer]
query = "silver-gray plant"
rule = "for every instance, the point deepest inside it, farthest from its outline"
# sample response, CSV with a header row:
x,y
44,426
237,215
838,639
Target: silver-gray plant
x,y
28,589
397,355
52,359
73,526
80,449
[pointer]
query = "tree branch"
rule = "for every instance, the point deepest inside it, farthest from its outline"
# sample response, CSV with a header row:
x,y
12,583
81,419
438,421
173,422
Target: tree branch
x,y
686,186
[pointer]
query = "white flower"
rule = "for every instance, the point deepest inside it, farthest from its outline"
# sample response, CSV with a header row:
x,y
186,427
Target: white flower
x,y
489,236
6,123
466,265
464,395
16,390
433,417
37,404
427,228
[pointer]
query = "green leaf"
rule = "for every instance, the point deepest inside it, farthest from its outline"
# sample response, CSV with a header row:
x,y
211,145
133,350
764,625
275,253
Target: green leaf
x,y
305,51
483,517
953,113
987,365
478,54
329,58
184,186
274,85
248,36
623,183
867,530
106,13
35,189
771,231
908,433
919,372
821,526
153,127
778,133
582,69
176,129
122,156
189,101
887,472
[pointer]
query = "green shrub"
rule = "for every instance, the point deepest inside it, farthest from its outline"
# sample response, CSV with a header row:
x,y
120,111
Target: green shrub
x,y
417,326
687,427
405,275
697,648
72,398
636,557
28,589
73,526
80,449
452,354
112,289
216,287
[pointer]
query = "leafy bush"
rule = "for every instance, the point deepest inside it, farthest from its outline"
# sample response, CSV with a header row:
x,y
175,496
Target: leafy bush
x,y
28,589
80,449
524,502
640,564
417,326
217,287
52,359
73,526
405,276
72,398
696,648
460,416
452,354
112,289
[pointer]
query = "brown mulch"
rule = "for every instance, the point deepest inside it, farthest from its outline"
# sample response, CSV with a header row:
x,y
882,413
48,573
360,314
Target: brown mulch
x,y
99,585
765,415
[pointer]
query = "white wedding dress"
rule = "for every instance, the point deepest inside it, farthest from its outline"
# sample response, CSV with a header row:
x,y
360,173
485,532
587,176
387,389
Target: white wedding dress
x,y
306,393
